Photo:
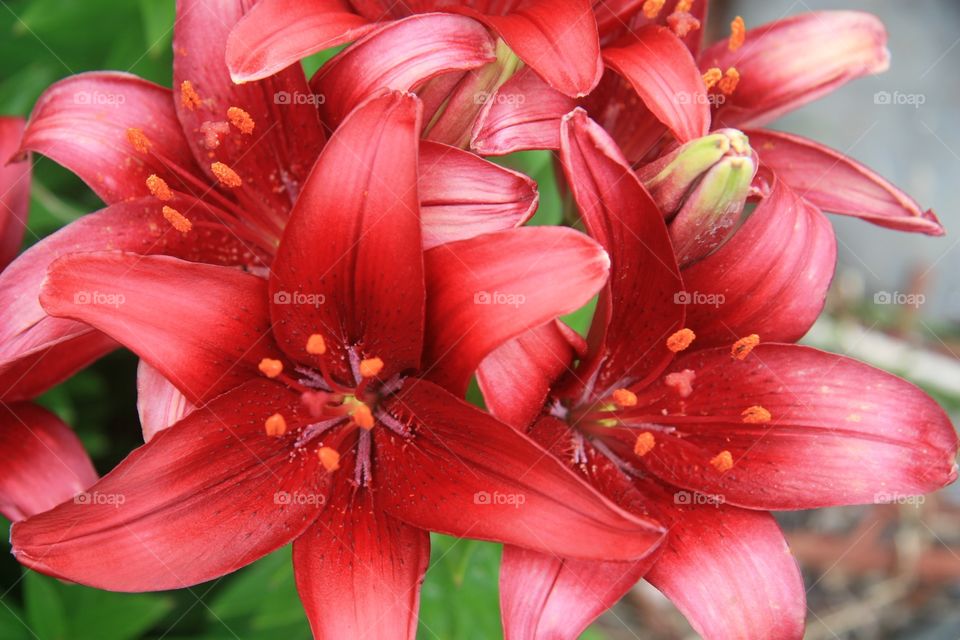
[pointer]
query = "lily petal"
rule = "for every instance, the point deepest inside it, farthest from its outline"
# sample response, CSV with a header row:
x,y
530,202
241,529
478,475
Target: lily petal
x,y
490,482
462,196
198,502
81,122
770,278
484,291
14,190
159,403
788,63
43,462
365,277
400,56
359,570
839,184
664,74
840,432
203,327
275,34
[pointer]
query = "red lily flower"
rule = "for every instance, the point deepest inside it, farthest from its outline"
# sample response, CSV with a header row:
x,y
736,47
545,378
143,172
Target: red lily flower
x,y
654,86
556,38
320,388
208,174
701,435
42,463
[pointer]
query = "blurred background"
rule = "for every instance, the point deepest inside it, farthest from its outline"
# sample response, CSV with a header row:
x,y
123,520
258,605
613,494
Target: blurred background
x,y
886,571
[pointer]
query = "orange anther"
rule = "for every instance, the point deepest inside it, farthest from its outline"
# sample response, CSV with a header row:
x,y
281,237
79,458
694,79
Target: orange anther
x,y
728,83
275,425
241,120
742,347
644,444
755,415
723,461
139,141
316,345
189,96
738,34
680,340
329,458
651,8
159,187
363,417
624,398
712,77
177,220
227,176
683,6
270,367
370,367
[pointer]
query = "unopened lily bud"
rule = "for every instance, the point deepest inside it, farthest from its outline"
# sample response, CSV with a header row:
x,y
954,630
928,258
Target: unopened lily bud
x,y
701,188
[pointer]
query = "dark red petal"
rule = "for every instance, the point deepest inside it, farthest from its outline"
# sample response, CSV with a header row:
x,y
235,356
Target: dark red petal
x,y
463,473
637,311
275,34
359,570
37,351
205,497
729,571
42,462
274,159
543,596
400,56
837,183
484,291
462,196
14,190
365,278
523,114
615,106
790,62
81,122
517,376
661,70
840,432
770,278
556,38
159,403
203,327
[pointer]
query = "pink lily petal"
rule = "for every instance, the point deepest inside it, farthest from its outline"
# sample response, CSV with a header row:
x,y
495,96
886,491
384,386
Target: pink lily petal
x,y
484,291
14,190
788,63
770,278
275,34
42,462
400,55
462,196
203,327
490,482
665,76
361,199
201,500
159,403
839,184
359,570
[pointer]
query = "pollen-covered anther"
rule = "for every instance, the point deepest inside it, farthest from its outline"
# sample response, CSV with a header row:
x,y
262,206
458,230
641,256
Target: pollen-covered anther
x,y
227,176
177,220
738,34
742,347
624,398
680,340
329,458
728,83
189,97
651,8
159,188
370,367
275,425
270,367
644,444
241,120
711,77
139,141
316,345
681,21
681,382
722,462
755,415
363,417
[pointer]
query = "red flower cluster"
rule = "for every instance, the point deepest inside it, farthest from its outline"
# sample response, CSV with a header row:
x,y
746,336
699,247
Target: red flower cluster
x,y
311,273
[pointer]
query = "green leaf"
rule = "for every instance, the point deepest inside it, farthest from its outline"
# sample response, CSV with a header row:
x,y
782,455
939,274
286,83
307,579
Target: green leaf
x,y
46,615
